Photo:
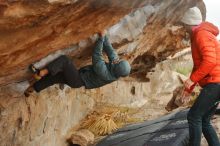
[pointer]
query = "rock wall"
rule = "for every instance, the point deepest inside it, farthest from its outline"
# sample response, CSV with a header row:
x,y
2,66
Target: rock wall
x,y
143,31
31,30
46,119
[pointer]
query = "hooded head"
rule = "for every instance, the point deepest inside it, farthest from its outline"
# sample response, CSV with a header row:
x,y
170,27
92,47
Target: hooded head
x,y
207,26
122,69
192,16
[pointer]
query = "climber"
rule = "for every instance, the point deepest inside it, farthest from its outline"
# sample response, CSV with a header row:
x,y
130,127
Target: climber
x,y
206,72
100,73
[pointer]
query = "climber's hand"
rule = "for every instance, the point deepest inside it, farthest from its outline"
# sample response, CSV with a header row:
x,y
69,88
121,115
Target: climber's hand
x,y
116,61
185,96
188,84
102,33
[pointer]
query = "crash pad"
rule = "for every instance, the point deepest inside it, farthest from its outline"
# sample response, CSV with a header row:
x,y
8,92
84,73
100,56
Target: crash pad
x,y
169,130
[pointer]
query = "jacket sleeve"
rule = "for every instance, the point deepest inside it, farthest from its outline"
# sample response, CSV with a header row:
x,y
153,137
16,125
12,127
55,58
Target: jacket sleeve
x,y
109,50
206,45
98,62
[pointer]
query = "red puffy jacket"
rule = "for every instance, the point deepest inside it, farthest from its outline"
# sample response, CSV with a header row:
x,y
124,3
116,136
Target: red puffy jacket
x,y
205,54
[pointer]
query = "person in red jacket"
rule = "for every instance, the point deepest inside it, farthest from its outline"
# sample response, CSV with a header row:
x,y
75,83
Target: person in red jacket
x,y
206,72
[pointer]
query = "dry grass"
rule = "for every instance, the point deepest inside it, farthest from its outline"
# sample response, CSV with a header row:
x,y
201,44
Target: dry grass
x,y
106,119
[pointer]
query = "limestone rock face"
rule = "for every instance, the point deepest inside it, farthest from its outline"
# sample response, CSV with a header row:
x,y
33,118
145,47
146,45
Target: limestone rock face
x,y
144,32
31,30
46,119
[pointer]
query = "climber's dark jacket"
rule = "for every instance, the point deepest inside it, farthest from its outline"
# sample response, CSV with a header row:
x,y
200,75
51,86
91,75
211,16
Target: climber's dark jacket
x,y
100,73
62,70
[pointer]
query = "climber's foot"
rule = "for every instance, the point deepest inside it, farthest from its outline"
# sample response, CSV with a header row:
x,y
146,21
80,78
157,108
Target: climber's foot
x,y
35,71
28,91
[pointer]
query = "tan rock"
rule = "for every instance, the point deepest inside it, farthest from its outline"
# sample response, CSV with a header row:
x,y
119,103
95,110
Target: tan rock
x,y
82,137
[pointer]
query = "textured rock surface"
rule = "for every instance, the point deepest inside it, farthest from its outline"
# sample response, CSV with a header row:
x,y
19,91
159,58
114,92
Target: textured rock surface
x,y
31,30
45,119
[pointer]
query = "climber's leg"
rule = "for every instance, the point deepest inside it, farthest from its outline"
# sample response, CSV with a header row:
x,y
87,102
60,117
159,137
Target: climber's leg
x,y
65,65
48,81
57,65
44,82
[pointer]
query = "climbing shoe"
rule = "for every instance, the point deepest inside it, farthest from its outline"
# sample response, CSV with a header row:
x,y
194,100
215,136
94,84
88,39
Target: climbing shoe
x,y
35,71
28,91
